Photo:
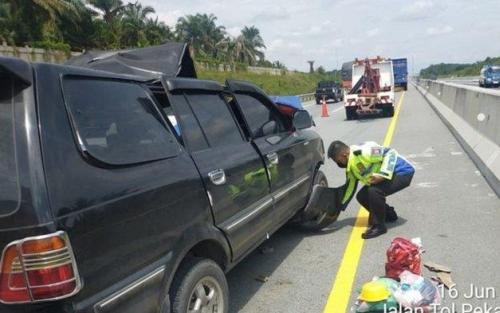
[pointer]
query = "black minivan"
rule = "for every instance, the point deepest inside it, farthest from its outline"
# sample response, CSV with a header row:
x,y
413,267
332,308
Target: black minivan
x,y
125,194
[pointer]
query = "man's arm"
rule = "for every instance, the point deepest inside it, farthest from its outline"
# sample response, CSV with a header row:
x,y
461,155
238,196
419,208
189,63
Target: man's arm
x,y
388,164
350,187
379,154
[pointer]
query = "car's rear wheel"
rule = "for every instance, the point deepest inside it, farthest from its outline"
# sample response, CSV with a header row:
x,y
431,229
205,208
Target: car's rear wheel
x,y
322,218
199,286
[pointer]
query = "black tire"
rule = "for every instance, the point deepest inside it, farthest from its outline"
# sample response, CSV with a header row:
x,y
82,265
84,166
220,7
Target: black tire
x,y
322,220
388,112
190,275
350,114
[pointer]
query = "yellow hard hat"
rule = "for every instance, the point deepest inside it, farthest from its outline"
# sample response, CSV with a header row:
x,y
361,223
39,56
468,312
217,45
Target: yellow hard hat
x,y
374,291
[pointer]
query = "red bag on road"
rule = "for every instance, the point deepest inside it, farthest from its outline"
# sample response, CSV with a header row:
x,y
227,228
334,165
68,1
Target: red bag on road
x,y
402,255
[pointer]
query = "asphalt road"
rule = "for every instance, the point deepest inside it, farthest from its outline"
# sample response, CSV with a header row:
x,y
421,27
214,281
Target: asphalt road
x,y
449,206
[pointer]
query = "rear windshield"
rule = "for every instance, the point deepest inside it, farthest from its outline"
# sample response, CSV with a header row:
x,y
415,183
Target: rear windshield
x,y
9,191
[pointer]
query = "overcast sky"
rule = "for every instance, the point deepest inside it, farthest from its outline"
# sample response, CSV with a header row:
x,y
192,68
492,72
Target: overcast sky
x,y
335,31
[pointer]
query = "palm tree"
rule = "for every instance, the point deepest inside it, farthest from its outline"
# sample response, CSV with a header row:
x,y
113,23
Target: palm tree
x,y
34,20
245,52
55,8
6,30
157,32
134,24
227,50
252,35
249,45
201,32
110,9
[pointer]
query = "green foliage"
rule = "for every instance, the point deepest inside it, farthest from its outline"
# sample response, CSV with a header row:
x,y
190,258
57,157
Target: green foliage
x,y
119,24
288,84
446,70
50,45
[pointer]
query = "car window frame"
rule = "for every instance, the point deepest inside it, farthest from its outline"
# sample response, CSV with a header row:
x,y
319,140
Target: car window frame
x,y
222,94
83,149
268,104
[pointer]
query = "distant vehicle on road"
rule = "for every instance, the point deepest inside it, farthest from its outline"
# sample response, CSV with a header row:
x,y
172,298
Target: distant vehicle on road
x,y
490,76
400,69
328,90
373,90
125,193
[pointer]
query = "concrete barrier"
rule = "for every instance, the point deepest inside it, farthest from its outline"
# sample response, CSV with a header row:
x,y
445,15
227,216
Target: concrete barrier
x,y
473,116
31,54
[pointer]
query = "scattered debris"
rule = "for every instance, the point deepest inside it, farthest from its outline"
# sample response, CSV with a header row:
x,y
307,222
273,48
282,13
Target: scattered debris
x,y
443,274
434,267
444,279
262,278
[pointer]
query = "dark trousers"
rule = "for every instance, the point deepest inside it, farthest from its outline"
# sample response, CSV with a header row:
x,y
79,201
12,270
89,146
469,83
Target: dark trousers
x,y
373,197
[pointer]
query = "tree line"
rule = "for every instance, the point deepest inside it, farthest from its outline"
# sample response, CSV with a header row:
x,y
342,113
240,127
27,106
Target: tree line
x,y
451,69
114,24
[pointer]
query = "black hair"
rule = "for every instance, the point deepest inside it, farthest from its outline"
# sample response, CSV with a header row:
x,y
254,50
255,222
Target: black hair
x,y
336,148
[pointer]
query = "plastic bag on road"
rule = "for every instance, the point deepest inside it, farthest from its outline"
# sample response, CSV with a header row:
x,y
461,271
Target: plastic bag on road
x,y
416,292
402,255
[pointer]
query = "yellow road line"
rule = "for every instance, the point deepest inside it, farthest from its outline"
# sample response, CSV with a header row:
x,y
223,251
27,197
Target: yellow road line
x,y
338,299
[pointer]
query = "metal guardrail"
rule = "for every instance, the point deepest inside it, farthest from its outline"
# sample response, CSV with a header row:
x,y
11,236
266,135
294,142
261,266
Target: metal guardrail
x,y
306,97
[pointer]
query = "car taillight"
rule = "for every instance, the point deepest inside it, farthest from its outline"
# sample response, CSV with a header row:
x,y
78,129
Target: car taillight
x,y
41,268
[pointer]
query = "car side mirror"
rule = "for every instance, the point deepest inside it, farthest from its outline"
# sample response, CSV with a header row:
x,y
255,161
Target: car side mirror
x,y
302,119
269,128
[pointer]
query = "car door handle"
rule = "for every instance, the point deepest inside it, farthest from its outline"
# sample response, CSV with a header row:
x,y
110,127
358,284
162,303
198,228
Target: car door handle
x,y
273,158
217,177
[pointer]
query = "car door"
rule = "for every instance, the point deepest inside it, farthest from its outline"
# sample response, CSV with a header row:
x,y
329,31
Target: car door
x,y
288,161
232,169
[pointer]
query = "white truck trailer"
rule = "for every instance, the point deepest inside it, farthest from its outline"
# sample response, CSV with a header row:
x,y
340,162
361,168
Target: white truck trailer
x,y
372,93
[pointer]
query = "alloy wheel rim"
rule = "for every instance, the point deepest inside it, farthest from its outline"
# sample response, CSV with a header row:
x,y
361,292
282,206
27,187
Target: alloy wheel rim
x,y
206,297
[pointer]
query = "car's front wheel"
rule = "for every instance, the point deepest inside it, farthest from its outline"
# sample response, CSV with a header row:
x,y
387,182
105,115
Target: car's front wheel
x,y
322,218
199,286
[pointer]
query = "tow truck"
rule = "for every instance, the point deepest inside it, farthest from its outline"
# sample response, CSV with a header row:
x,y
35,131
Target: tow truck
x,y
372,93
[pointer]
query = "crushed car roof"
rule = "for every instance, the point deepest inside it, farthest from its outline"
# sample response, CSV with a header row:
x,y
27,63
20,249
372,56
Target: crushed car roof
x,y
170,59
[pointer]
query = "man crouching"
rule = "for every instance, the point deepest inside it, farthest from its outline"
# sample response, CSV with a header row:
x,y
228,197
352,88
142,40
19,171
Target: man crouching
x,y
381,170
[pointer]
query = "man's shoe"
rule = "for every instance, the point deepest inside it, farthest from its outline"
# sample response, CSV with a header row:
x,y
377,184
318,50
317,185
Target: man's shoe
x,y
391,216
374,231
